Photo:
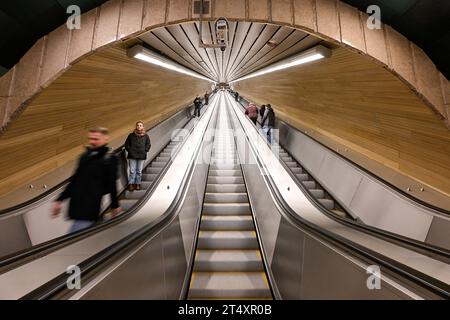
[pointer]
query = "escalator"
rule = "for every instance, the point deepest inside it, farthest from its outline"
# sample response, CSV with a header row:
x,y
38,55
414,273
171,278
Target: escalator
x,y
234,232
308,181
228,261
21,252
433,241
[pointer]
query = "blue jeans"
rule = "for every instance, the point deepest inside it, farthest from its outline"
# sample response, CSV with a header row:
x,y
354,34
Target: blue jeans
x,y
268,131
80,225
135,171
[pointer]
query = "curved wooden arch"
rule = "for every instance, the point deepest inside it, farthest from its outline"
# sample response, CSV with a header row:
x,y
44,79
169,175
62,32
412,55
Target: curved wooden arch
x,y
117,20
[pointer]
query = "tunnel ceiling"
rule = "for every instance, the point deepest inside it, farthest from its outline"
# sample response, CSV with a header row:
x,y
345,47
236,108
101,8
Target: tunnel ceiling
x,y
425,22
251,47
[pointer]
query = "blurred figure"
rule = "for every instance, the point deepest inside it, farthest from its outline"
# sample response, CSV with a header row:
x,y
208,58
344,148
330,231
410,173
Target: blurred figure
x,y
236,96
262,110
197,105
268,122
252,112
206,98
137,145
95,176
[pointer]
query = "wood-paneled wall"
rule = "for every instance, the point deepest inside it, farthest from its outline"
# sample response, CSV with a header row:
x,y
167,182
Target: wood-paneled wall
x,y
107,89
351,100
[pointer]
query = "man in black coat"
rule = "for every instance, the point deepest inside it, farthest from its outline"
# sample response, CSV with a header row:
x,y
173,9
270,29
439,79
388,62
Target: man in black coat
x,y
95,176
197,105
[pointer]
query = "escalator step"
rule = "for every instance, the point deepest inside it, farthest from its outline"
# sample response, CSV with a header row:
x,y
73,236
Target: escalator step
x,y
226,208
225,173
226,180
229,285
291,164
224,167
151,170
126,204
228,260
227,240
228,188
217,223
317,193
149,177
135,194
297,170
156,164
327,203
309,184
226,197
302,177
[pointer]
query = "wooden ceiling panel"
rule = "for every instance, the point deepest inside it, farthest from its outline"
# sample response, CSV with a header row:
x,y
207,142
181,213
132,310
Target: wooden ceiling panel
x,y
241,35
253,34
156,43
247,49
267,33
293,44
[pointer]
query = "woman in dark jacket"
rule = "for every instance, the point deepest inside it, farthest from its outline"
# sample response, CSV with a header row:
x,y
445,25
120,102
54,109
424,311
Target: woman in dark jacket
x,y
137,145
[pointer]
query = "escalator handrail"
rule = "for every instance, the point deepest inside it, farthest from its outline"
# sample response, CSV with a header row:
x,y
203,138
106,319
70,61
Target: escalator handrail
x,y
17,258
410,197
59,283
436,286
390,236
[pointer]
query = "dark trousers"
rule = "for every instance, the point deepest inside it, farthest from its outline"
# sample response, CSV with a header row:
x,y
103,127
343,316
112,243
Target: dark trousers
x,y
197,112
254,120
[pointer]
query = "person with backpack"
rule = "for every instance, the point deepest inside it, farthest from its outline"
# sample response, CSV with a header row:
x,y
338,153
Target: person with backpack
x,y
268,122
137,145
94,177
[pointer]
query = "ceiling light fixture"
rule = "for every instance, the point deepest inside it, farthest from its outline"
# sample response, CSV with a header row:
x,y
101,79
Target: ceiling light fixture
x,y
141,53
316,53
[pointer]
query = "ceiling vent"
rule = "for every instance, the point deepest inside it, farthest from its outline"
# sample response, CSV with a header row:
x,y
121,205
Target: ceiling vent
x,y
206,6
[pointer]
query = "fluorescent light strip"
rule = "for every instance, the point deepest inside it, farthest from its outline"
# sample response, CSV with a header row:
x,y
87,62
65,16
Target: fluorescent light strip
x,y
140,53
314,54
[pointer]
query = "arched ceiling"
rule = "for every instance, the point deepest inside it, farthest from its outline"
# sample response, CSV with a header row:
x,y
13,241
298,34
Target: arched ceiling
x,y
252,46
23,22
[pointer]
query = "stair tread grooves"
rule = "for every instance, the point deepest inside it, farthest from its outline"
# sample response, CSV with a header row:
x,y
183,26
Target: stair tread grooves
x,y
228,255
229,281
228,234
227,218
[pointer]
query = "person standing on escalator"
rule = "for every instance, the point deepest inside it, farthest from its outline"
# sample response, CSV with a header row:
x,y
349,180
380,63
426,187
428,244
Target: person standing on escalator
x,y
94,177
268,122
137,145
252,112
197,106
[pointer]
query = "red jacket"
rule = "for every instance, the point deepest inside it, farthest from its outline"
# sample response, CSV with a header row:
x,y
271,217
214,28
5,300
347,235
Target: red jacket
x,y
251,111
